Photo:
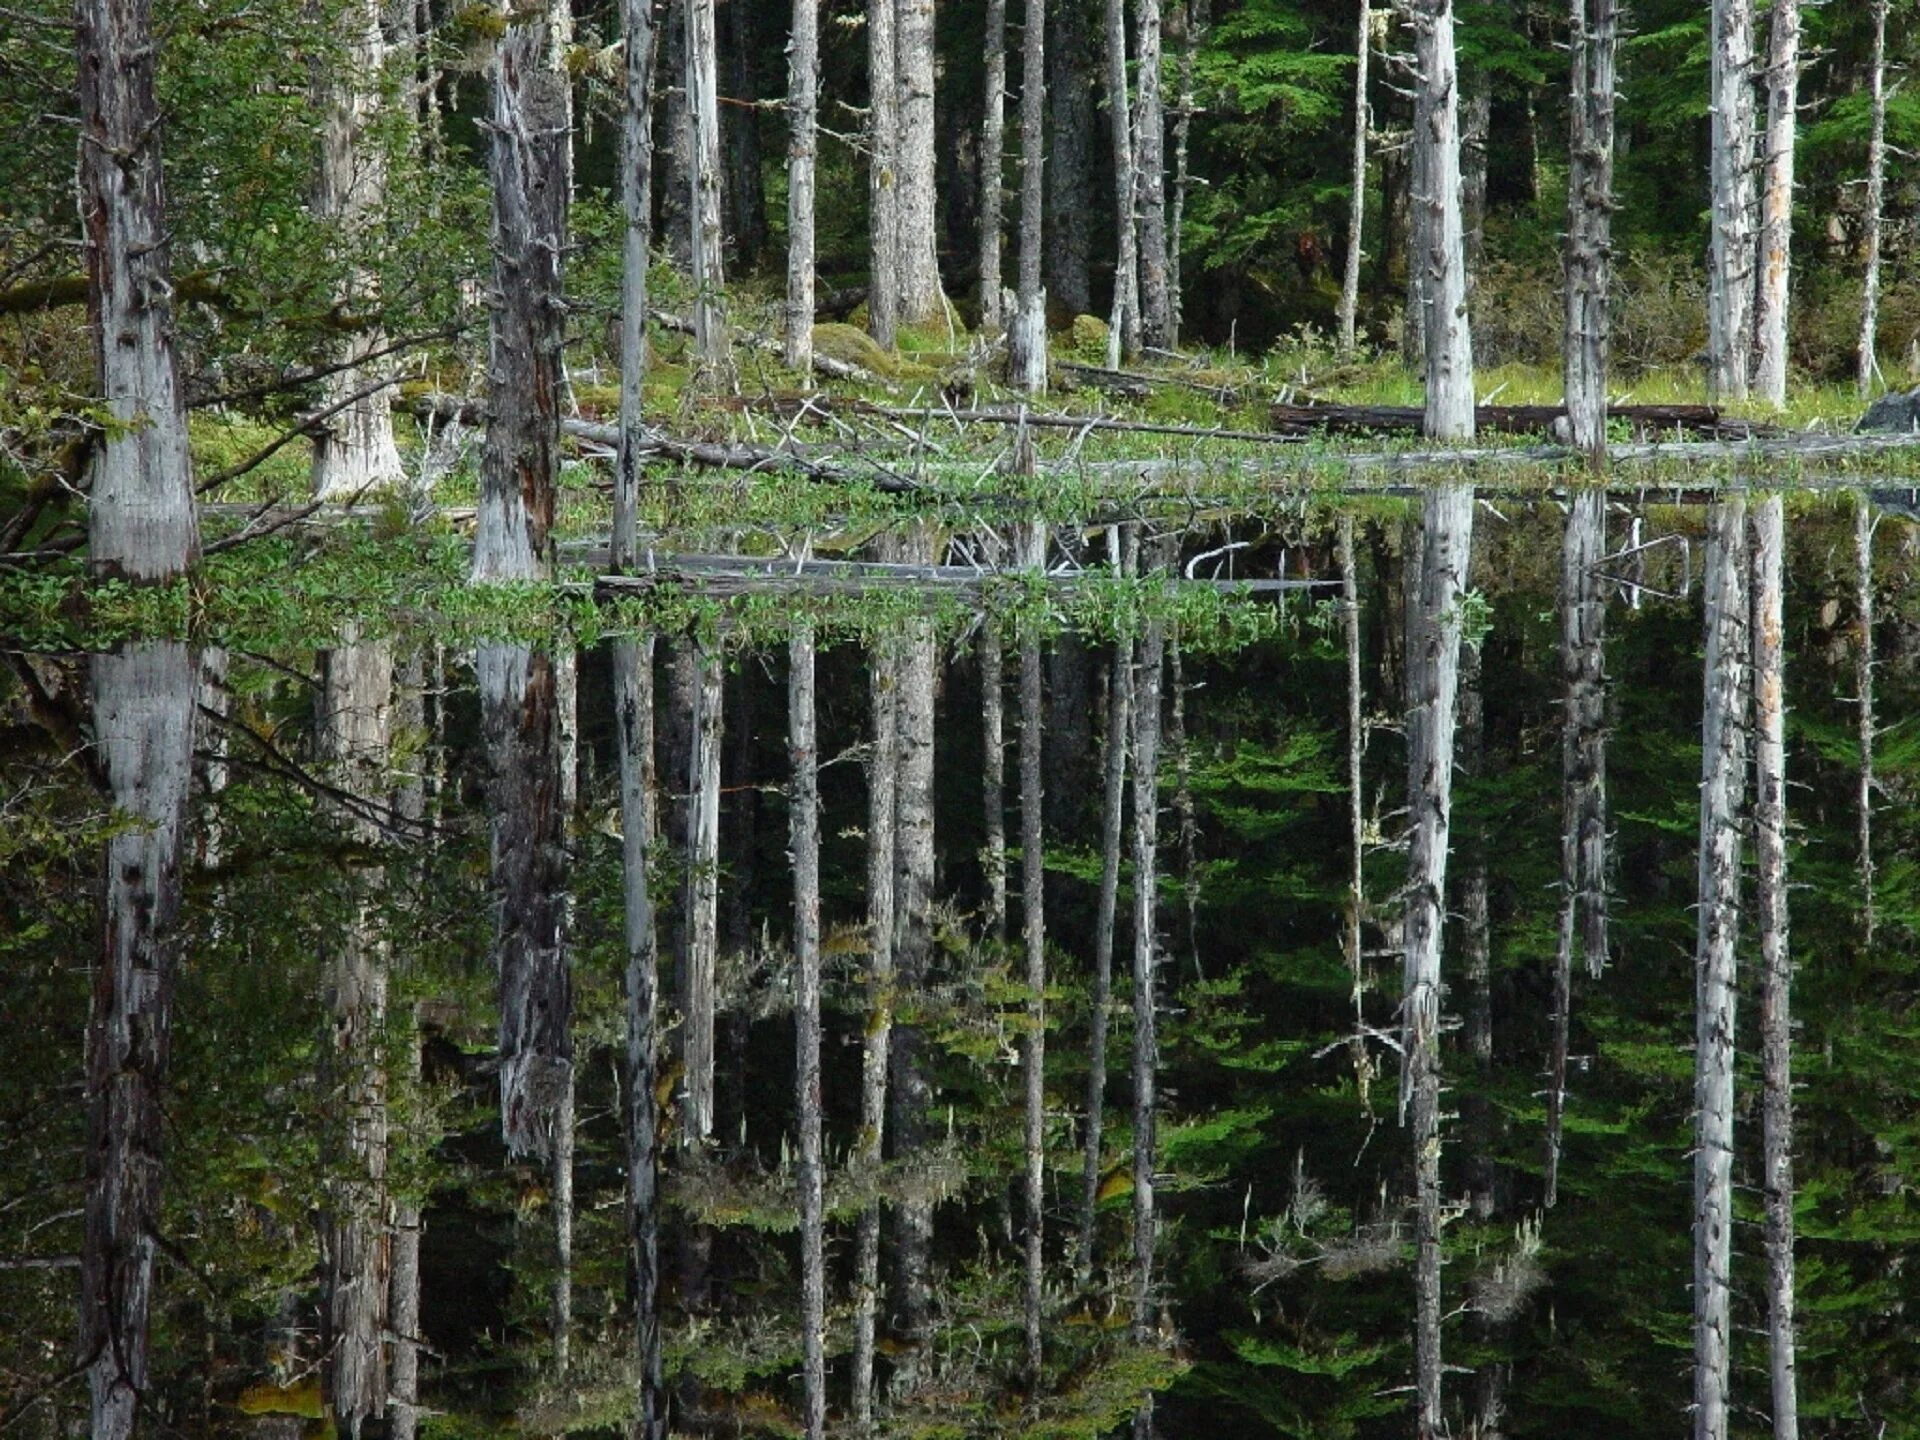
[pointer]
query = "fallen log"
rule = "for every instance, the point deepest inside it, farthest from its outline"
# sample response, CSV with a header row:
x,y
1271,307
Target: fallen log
x,y
1137,384
736,574
1646,420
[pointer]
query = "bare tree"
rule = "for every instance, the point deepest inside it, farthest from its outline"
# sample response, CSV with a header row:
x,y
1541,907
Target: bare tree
x,y
141,522
805,754
1146,960
1776,202
703,124
1588,247
993,774
1441,253
1863,699
1433,678
1867,363
1189,24
1353,934
803,98
1357,199
1027,336
1150,179
1730,267
921,300
636,203
1722,774
993,154
1033,1047
883,194
1123,335
702,909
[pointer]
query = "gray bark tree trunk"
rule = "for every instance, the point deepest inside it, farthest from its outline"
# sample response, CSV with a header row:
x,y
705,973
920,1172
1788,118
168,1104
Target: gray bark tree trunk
x,y
633,717
1353,934
804,750
1863,601
1867,363
993,151
803,96
676,157
1776,202
921,299
1433,677
1071,142
1776,975
141,523
883,158
1027,336
742,34
1476,120
1033,1044
1123,336
702,910
1150,179
1583,789
1146,959
1189,22
1441,254
636,203
143,732
1722,783
1588,249
993,776
1730,265
710,341
1357,182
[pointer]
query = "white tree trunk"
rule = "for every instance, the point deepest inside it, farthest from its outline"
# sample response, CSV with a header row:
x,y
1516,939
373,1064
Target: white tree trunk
x,y
1776,202
921,299
1433,679
803,97
1191,22
1589,241
883,174
636,203
703,123
1867,364
1146,962
702,917
993,150
1730,265
1722,784
1441,253
1357,200
1027,338
1123,334
1352,932
1150,179
140,516
804,751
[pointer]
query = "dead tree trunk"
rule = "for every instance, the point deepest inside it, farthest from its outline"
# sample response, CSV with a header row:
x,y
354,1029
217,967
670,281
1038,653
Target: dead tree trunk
x,y
921,299
1123,334
882,775
702,911
1033,1046
1146,959
636,200
1730,266
1722,776
1185,816
1867,363
1150,179
1863,699
141,523
1433,674
1442,253
994,775
711,345
633,718
883,196
803,100
1353,933
1190,21
143,732
1588,248
1357,199
1776,977
1776,202
1583,790
993,153
806,1023
1027,336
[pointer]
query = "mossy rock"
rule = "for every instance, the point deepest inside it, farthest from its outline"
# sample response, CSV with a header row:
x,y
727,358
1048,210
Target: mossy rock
x,y
1088,337
851,345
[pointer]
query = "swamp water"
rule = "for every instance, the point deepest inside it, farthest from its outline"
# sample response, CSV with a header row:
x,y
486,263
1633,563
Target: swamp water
x,y
341,846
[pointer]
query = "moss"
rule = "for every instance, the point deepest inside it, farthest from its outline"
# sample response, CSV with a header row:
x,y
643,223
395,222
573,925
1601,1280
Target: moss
x,y
851,345
1087,336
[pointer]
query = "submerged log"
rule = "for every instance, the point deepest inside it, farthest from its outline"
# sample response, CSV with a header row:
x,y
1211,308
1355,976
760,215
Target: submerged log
x,y
1706,420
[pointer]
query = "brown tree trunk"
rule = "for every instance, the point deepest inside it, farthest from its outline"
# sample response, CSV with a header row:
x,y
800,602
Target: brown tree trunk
x,y
1071,144
921,300
742,35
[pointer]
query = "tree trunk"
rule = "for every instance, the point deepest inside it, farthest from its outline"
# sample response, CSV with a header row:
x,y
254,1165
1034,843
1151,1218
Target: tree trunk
x,y
1476,958
1353,933
1730,266
710,342
1190,20
1027,338
1146,957
1150,180
1863,699
676,160
143,733
1070,154
993,149
633,715
1112,825
742,36
1033,872
1776,202
1442,252
354,450
521,458
1776,977
1583,789
518,705
1588,249
1433,677
702,910
566,692
883,174
1722,775
806,1024
636,200
355,729
921,300
882,776
1357,198
802,101
1867,363
1123,335
140,515
1186,819
1476,119
994,776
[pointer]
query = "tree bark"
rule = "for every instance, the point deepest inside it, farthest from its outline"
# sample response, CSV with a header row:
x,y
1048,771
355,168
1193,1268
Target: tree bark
x,y
803,57
921,299
1863,699
1776,976
993,149
710,341
1027,337
1357,197
1476,119
1070,154
804,750
1730,265
1123,335
1353,933
1441,253
1146,957
1588,248
1033,1045
1433,677
143,731
636,202
1776,202
702,910
521,458
1722,774
1190,20
993,775
1867,363
1150,179
140,514
633,716
883,174
1583,789
676,158
741,36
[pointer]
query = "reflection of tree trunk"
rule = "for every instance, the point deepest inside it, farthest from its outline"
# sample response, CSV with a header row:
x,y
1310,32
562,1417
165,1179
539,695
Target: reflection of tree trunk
x,y
633,718
702,912
1583,772
1033,1048
1433,666
1356,809
355,736
994,776
1776,977
1863,698
1146,957
143,729
881,776
806,1020
566,674
1186,819
1722,772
